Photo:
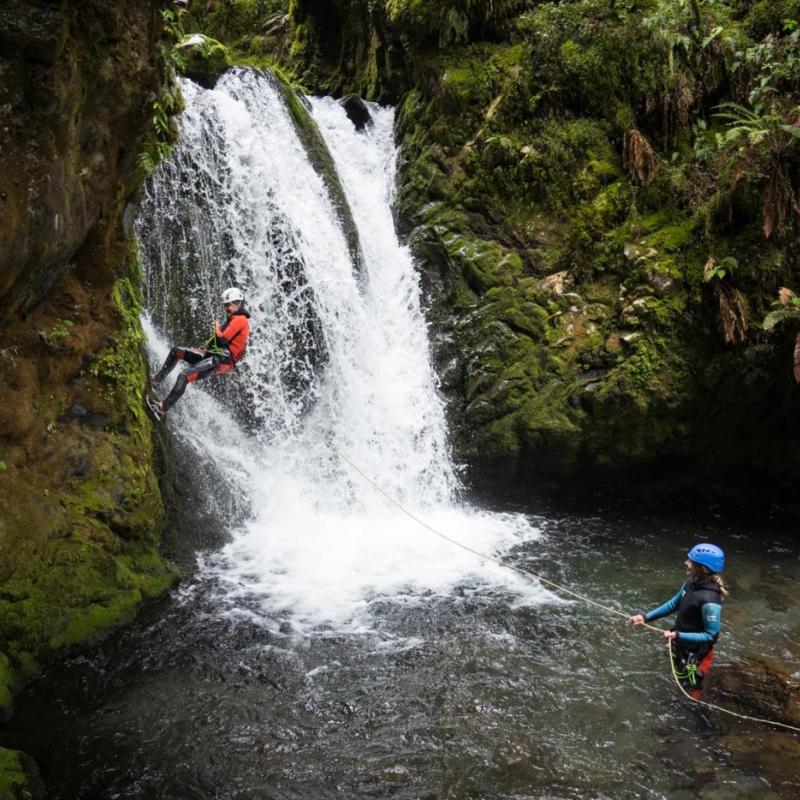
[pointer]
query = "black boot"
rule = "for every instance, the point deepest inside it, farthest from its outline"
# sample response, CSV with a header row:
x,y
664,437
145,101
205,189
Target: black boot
x,y
167,367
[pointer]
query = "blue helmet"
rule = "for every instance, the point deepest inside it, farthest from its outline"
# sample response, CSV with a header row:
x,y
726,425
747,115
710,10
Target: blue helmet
x,y
709,555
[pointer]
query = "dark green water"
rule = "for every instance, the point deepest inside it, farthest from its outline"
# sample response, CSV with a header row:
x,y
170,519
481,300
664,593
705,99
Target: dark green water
x,y
465,696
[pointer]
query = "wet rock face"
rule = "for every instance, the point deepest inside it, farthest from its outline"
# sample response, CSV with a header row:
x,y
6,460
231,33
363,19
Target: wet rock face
x,y
759,688
582,346
77,83
357,111
345,46
80,508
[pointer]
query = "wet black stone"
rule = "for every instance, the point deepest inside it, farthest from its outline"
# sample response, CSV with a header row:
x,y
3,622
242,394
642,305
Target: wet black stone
x,y
357,111
75,411
80,466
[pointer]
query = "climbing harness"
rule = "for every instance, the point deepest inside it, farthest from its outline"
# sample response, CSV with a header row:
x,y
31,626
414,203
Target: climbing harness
x,y
211,347
691,674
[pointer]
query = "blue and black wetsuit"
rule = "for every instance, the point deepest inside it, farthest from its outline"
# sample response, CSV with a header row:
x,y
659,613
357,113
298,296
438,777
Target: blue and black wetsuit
x,y
698,605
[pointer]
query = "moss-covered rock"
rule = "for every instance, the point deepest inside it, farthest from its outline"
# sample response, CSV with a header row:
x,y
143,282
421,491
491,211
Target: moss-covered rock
x,y
203,59
19,777
322,160
82,509
346,46
253,29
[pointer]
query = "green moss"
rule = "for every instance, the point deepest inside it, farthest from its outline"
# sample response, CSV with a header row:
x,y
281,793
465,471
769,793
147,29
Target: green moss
x,y
233,20
146,576
497,446
593,223
588,71
568,162
80,536
548,433
121,366
19,779
673,235
524,315
163,132
768,16
95,587
483,263
321,159
203,59
88,623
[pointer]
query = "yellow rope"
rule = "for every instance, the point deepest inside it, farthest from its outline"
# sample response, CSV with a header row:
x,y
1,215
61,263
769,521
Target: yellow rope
x,y
560,589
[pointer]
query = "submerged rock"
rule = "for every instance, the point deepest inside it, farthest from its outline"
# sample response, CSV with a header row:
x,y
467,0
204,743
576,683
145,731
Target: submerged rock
x,y
759,688
764,689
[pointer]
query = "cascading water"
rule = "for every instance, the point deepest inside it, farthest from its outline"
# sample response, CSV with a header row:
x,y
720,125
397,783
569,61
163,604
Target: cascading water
x,y
337,365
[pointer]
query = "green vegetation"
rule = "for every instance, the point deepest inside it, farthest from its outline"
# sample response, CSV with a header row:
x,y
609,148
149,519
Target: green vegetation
x,y
19,779
202,58
163,134
79,540
164,131
53,336
254,30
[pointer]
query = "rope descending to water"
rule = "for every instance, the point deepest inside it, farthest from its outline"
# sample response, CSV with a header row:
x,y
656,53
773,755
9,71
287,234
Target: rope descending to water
x,y
560,589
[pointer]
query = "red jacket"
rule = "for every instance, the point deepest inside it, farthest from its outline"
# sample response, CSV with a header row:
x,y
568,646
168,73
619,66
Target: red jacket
x,y
233,334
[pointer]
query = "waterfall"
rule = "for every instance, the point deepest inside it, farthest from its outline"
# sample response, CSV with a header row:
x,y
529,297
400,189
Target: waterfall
x,y
338,368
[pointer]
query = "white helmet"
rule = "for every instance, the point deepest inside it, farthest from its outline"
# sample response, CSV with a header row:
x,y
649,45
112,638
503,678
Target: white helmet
x,y
232,295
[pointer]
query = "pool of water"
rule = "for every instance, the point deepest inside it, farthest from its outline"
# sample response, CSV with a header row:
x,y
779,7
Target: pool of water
x,y
473,692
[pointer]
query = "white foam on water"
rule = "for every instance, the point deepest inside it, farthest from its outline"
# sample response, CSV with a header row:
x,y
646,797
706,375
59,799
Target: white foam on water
x,y
339,369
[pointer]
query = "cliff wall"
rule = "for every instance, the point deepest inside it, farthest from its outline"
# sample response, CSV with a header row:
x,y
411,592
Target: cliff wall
x,y
81,84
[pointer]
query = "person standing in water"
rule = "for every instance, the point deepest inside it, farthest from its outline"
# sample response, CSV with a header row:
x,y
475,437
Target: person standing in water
x,y
229,345
698,605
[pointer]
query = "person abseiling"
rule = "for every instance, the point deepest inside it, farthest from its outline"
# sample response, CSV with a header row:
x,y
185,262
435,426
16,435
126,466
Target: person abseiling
x,y
230,343
698,604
